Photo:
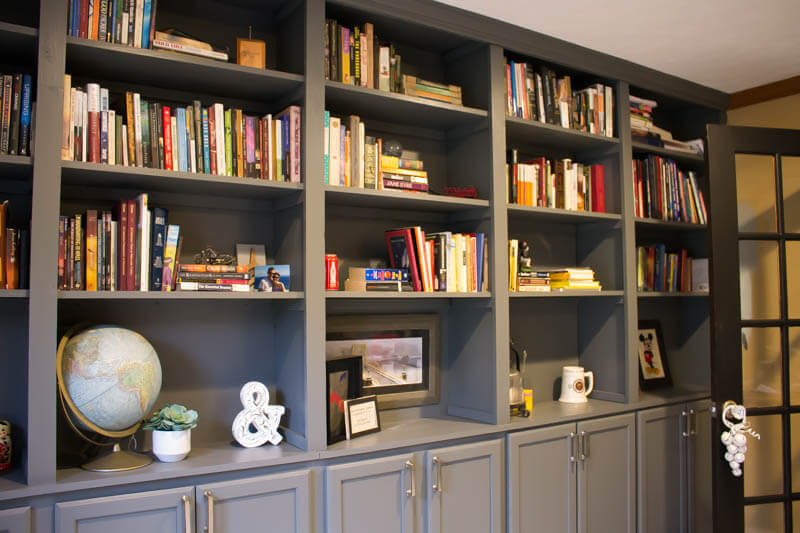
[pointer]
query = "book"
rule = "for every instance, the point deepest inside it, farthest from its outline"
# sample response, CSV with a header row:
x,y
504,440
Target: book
x,y
403,254
168,272
377,274
157,245
216,287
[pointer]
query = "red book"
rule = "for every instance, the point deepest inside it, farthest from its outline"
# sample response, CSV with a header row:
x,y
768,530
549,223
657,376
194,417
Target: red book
x,y
93,113
62,250
598,188
212,139
84,30
131,252
402,254
166,120
419,240
122,245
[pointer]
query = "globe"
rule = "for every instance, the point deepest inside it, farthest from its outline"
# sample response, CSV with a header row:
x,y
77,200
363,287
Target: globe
x,y
109,378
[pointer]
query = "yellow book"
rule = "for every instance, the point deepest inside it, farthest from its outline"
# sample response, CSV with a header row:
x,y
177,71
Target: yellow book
x,y
513,247
91,250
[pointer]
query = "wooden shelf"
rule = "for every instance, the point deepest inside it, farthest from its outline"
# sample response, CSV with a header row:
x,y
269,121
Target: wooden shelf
x,y
14,293
548,214
695,161
351,196
540,134
567,294
173,70
668,224
690,294
178,295
151,179
377,295
399,108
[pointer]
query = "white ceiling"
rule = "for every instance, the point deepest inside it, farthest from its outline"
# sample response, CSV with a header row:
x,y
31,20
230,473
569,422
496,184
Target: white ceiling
x,y
729,45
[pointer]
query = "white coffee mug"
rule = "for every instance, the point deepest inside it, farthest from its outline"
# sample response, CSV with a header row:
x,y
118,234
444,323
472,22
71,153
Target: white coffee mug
x,y
573,384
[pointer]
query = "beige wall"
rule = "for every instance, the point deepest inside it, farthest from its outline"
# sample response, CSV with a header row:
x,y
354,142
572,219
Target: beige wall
x,y
779,113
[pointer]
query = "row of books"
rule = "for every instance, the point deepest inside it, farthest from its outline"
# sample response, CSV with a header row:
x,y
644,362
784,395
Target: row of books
x,y
662,271
15,113
133,248
442,261
130,22
559,183
354,159
210,140
644,130
663,191
356,56
537,93
14,253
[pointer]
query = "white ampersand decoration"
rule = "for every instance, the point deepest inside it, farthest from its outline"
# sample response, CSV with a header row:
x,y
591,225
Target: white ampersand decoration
x,y
258,422
735,440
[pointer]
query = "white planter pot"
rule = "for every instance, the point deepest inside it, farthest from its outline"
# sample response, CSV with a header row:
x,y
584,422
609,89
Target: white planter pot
x,y
172,446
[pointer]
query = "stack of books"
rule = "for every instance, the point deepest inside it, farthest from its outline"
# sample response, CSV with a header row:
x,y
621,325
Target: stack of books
x,y
413,86
663,191
184,45
377,280
356,56
133,248
354,159
216,278
537,93
15,114
662,271
560,183
533,281
443,261
645,131
130,22
568,279
209,140
14,248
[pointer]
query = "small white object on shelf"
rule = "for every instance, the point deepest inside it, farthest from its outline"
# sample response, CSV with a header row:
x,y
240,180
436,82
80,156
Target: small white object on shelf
x,y
258,422
172,446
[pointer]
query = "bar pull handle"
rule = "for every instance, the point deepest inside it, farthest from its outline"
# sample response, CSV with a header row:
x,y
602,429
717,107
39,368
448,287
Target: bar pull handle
x,y
685,432
584,449
413,490
187,514
573,454
210,497
437,486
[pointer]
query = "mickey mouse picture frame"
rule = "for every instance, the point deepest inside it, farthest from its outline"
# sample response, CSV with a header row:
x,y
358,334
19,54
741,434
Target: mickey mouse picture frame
x,y
653,365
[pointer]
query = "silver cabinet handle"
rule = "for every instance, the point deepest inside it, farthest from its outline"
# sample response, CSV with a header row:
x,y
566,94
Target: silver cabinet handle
x,y
187,514
437,486
693,421
413,490
573,456
686,425
210,497
584,449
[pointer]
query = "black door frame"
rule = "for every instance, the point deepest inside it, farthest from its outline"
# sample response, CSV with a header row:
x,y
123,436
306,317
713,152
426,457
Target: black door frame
x,y
722,143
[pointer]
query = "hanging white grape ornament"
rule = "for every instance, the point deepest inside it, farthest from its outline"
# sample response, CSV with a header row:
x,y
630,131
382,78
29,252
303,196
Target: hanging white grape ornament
x,y
258,422
735,440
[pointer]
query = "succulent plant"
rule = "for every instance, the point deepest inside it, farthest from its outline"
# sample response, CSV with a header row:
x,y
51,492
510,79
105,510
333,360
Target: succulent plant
x,y
173,417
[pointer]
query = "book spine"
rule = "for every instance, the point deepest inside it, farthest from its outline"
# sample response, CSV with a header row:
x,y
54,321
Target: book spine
x,y
93,100
77,250
129,112
294,116
217,287
180,120
326,140
228,144
219,132
170,251
146,14
167,121
191,146
391,183
206,147
16,97
137,131
158,240
197,114
173,126
213,276
137,28
147,160
6,113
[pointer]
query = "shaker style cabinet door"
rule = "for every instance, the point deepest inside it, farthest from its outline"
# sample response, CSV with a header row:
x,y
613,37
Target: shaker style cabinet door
x,y
276,503
607,475
159,511
464,487
373,495
661,453
699,473
541,480
15,520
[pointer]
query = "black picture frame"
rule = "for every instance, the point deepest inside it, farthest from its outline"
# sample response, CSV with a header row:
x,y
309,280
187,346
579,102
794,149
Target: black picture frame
x,y
653,364
336,371
349,404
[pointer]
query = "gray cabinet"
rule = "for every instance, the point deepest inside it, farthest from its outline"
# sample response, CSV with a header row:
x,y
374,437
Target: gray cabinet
x,y
373,495
279,502
674,468
541,480
159,511
15,520
464,488
573,478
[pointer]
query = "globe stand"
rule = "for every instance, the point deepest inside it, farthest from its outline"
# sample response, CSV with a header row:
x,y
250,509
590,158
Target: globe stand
x,y
117,460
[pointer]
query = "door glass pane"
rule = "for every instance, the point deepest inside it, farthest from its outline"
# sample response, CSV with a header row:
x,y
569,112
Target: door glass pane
x,y
795,432
790,170
755,192
796,516
764,518
793,278
794,366
759,279
761,367
763,468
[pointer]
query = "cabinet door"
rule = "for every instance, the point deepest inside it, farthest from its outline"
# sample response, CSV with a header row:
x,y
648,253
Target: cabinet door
x,y
699,467
370,496
541,480
606,477
661,462
15,520
160,511
464,488
276,503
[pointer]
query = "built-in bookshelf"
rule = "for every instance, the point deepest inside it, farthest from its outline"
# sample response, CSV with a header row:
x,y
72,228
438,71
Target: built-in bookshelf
x,y
212,343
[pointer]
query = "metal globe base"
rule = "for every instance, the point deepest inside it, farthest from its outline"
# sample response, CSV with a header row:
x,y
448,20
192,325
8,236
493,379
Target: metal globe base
x,y
117,460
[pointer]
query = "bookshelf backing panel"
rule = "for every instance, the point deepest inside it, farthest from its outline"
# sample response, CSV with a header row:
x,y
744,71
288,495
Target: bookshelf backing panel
x,y
21,13
675,238
13,379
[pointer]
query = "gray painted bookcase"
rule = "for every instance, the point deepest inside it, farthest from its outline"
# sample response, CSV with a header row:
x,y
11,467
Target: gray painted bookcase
x,y
210,344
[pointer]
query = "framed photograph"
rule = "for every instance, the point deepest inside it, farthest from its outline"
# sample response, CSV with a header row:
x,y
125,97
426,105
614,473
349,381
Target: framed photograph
x,y
272,278
361,416
399,354
653,367
342,383
251,53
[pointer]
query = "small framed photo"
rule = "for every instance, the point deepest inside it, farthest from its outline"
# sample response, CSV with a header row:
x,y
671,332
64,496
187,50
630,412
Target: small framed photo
x,y
342,383
653,367
251,53
361,416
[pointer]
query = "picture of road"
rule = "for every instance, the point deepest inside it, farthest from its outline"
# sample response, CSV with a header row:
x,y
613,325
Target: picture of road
x,y
386,361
